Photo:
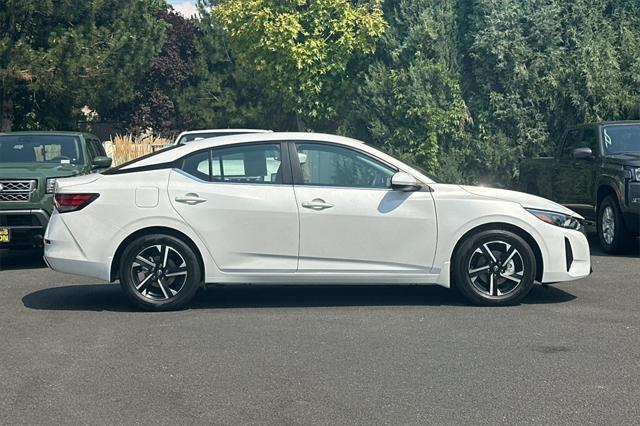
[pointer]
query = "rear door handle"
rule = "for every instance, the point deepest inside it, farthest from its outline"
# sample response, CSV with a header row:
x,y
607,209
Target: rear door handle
x,y
190,199
316,204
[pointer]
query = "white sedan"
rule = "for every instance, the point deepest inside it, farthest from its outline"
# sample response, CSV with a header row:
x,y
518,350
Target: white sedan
x,y
303,208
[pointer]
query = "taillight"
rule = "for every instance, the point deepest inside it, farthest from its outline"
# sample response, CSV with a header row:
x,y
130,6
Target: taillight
x,y
73,202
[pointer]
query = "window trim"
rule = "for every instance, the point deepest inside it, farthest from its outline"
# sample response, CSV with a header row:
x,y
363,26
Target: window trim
x,y
284,162
298,179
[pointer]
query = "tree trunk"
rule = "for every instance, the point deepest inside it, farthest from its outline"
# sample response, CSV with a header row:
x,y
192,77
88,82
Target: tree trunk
x,y
300,123
6,115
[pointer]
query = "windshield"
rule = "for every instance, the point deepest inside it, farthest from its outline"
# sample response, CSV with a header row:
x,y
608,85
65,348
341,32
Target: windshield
x,y
204,135
621,138
61,149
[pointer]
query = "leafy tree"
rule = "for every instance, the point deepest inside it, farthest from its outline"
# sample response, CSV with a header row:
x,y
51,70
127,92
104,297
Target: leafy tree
x,y
599,72
154,104
87,52
512,77
300,49
534,67
410,101
220,94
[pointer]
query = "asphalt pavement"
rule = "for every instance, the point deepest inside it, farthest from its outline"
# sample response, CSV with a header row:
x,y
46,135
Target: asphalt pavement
x,y
72,350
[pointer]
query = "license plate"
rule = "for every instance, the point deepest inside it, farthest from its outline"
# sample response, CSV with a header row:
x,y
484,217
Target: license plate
x,y
4,235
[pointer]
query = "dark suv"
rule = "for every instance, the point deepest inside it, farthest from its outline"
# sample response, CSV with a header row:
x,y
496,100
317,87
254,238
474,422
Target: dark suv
x,y
596,172
30,163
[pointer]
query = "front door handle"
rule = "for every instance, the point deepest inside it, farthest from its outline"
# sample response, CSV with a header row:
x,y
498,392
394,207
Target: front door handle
x,y
316,204
190,199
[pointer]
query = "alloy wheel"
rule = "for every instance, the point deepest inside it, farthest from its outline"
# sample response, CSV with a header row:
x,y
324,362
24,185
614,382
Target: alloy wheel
x,y
159,272
496,269
608,224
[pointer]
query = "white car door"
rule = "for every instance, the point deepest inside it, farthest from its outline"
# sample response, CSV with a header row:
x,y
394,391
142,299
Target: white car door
x,y
240,201
350,218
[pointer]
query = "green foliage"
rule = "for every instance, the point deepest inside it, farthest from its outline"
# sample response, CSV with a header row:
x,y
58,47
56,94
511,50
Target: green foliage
x,y
300,49
534,67
410,101
157,89
222,94
464,88
88,52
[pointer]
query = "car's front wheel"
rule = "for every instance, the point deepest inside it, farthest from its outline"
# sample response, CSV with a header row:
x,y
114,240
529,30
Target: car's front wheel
x,y
495,268
159,272
612,232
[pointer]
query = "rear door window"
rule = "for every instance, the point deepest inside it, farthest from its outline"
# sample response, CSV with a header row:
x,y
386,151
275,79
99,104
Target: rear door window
x,y
198,165
247,163
254,163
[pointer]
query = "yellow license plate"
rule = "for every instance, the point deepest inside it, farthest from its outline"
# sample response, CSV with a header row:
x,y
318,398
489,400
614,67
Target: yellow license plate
x,y
4,235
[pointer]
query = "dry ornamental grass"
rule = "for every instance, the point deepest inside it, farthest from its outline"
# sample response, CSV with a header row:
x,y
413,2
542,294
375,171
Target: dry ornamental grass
x,y
129,147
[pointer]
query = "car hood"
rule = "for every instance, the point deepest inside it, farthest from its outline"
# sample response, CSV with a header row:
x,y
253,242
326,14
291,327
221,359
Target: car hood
x,y
38,170
525,200
626,159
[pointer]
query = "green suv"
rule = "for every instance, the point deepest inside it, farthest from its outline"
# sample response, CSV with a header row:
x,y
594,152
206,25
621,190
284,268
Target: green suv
x,y
30,163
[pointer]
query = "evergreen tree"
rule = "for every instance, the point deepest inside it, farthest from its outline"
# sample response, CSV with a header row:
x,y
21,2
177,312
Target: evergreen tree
x,y
87,52
410,101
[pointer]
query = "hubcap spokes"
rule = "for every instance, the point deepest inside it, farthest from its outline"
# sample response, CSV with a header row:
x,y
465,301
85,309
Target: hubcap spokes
x,y
159,272
608,225
496,269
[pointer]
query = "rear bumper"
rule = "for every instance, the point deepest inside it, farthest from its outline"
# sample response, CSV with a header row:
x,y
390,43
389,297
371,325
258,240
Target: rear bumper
x,y
26,227
76,266
63,254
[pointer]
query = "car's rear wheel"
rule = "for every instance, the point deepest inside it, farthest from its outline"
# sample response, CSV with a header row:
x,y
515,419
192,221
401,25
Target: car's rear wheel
x,y
495,268
612,232
159,272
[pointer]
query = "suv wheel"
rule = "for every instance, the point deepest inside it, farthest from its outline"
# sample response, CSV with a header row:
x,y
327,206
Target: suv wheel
x,y
494,268
612,232
159,272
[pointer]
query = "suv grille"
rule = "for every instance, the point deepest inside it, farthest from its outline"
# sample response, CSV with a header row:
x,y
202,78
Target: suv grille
x,y
16,190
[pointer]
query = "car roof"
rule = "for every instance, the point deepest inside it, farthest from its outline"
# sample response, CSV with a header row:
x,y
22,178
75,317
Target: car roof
x,y
219,132
191,132
47,132
605,123
186,149
176,152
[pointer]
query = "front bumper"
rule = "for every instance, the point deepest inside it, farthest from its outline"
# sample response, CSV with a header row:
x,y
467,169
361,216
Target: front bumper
x,y
26,227
569,257
631,211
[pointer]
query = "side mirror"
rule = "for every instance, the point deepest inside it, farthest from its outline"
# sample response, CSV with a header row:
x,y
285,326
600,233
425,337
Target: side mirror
x,y
101,162
404,182
582,153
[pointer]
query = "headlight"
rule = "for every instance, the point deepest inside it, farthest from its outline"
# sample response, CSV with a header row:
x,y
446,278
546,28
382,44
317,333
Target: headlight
x,y
636,174
51,185
558,219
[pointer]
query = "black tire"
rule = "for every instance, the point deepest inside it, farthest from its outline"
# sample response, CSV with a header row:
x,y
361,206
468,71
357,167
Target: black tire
x,y
167,285
474,268
616,240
